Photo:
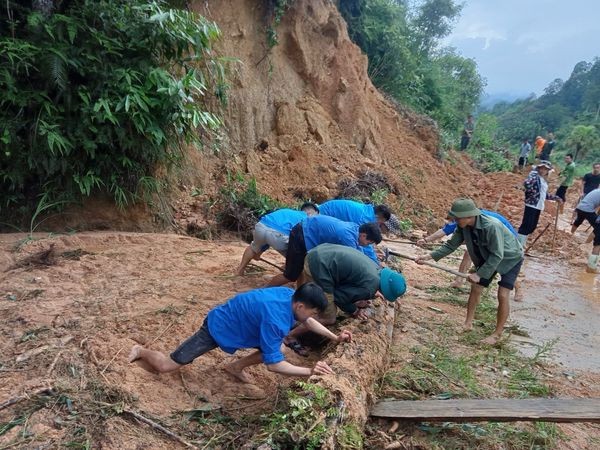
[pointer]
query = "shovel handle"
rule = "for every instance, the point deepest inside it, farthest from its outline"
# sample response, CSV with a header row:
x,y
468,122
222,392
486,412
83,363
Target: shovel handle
x,y
430,264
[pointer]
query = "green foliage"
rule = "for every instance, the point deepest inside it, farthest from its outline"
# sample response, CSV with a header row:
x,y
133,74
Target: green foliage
x,y
485,148
241,204
302,425
277,9
570,109
98,94
405,61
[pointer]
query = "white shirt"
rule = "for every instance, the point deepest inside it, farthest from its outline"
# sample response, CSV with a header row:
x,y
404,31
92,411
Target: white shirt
x,y
543,193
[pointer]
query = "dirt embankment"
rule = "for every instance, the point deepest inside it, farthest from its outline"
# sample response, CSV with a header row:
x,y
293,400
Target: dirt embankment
x,y
302,116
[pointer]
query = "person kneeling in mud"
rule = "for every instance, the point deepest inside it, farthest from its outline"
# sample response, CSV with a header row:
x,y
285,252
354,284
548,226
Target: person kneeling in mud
x,y
493,249
260,318
350,280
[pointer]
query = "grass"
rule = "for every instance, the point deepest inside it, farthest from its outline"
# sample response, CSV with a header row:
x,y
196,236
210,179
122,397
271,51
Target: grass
x,y
449,364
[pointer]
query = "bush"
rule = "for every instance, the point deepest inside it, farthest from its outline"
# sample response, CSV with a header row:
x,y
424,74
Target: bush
x,y
99,94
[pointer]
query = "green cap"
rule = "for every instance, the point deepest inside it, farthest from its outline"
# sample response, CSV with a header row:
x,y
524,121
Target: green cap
x,y
464,207
391,284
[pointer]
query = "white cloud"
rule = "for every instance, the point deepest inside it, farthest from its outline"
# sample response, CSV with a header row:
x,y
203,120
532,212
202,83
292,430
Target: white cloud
x,y
478,31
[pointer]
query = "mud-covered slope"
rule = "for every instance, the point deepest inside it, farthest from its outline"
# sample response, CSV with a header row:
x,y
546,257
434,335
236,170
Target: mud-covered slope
x,y
304,114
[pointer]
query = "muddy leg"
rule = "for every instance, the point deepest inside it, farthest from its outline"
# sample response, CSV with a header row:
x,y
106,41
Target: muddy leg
x,y
151,360
237,368
246,257
501,316
278,280
464,266
474,297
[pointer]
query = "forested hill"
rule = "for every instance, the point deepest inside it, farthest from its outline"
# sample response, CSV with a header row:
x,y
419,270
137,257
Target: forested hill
x,y
570,109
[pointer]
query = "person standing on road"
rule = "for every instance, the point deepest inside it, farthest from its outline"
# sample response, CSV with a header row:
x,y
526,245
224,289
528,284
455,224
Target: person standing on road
x,y
567,176
467,132
493,249
591,180
547,148
587,210
524,154
536,194
261,319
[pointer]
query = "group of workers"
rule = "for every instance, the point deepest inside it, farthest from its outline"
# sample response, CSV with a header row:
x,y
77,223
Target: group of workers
x,y
329,253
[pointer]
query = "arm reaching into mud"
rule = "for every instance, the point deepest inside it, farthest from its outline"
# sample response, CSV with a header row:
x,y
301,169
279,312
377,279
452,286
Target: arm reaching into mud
x,y
314,326
285,368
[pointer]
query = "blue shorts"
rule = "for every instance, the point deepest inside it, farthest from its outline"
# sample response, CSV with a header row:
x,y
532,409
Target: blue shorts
x,y
507,280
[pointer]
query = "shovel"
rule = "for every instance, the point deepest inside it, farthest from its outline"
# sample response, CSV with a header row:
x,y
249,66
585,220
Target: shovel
x,y
426,263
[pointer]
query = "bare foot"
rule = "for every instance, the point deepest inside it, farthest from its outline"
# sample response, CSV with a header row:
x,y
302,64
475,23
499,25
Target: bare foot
x,y
490,340
457,284
468,326
239,374
518,297
134,354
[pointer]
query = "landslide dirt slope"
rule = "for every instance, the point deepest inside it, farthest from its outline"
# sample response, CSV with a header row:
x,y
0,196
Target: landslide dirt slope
x,y
304,114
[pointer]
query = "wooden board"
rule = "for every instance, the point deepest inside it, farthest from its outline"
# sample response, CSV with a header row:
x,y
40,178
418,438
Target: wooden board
x,y
495,410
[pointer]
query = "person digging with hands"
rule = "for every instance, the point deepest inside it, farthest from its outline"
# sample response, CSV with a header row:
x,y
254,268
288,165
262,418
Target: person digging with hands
x,y
350,280
260,319
493,249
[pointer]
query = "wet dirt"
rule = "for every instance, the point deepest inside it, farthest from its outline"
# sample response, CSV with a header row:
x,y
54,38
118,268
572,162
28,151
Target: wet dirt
x,y
562,304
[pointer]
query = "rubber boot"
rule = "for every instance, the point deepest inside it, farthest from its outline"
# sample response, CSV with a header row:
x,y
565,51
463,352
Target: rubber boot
x,y
592,265
522,238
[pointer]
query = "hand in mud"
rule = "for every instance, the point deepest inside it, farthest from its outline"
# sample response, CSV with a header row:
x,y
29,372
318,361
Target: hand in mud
x,y
421,242
344,336
363,303
473,278
321,368
361,314
378,294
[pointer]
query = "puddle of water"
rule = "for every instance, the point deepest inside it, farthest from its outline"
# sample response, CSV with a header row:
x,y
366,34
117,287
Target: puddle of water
x,y
560,302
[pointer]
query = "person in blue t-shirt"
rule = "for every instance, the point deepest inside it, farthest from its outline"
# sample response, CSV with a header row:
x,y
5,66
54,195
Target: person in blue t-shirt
x,y
273,230
449,228
359,213
316,230
261,319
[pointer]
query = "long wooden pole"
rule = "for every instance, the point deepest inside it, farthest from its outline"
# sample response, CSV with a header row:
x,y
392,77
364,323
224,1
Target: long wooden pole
x,y
555,226
530,246
430,264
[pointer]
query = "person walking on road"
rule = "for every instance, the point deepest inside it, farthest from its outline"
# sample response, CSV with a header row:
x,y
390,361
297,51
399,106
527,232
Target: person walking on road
x,y
567,176
524,154
536,194
493,249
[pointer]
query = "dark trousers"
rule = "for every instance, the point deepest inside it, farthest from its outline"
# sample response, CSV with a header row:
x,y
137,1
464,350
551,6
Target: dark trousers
x,y
464,142
531,217
562,192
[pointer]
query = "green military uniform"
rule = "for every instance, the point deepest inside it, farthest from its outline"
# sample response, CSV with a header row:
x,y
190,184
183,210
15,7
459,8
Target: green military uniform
x,y
491,246
344,272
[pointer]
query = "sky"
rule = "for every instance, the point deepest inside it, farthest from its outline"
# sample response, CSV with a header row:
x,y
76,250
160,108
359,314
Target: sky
x,y
520,46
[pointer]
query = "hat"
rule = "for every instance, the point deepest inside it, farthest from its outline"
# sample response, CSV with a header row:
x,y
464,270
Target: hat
x,y
546,164
464,207
393,224
391,284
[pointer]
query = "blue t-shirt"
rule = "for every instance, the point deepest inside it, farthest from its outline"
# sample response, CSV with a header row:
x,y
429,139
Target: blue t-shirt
x,y
329,230
348,211
259,318
451,226
283,220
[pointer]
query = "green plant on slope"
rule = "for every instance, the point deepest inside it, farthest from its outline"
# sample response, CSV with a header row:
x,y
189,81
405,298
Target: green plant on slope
x,y
97,94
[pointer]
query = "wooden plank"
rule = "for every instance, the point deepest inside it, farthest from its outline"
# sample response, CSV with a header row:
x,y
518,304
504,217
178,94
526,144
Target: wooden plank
x,y
495,410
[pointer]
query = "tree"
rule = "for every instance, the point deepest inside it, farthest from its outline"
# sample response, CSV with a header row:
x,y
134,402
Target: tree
x,y
583,139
